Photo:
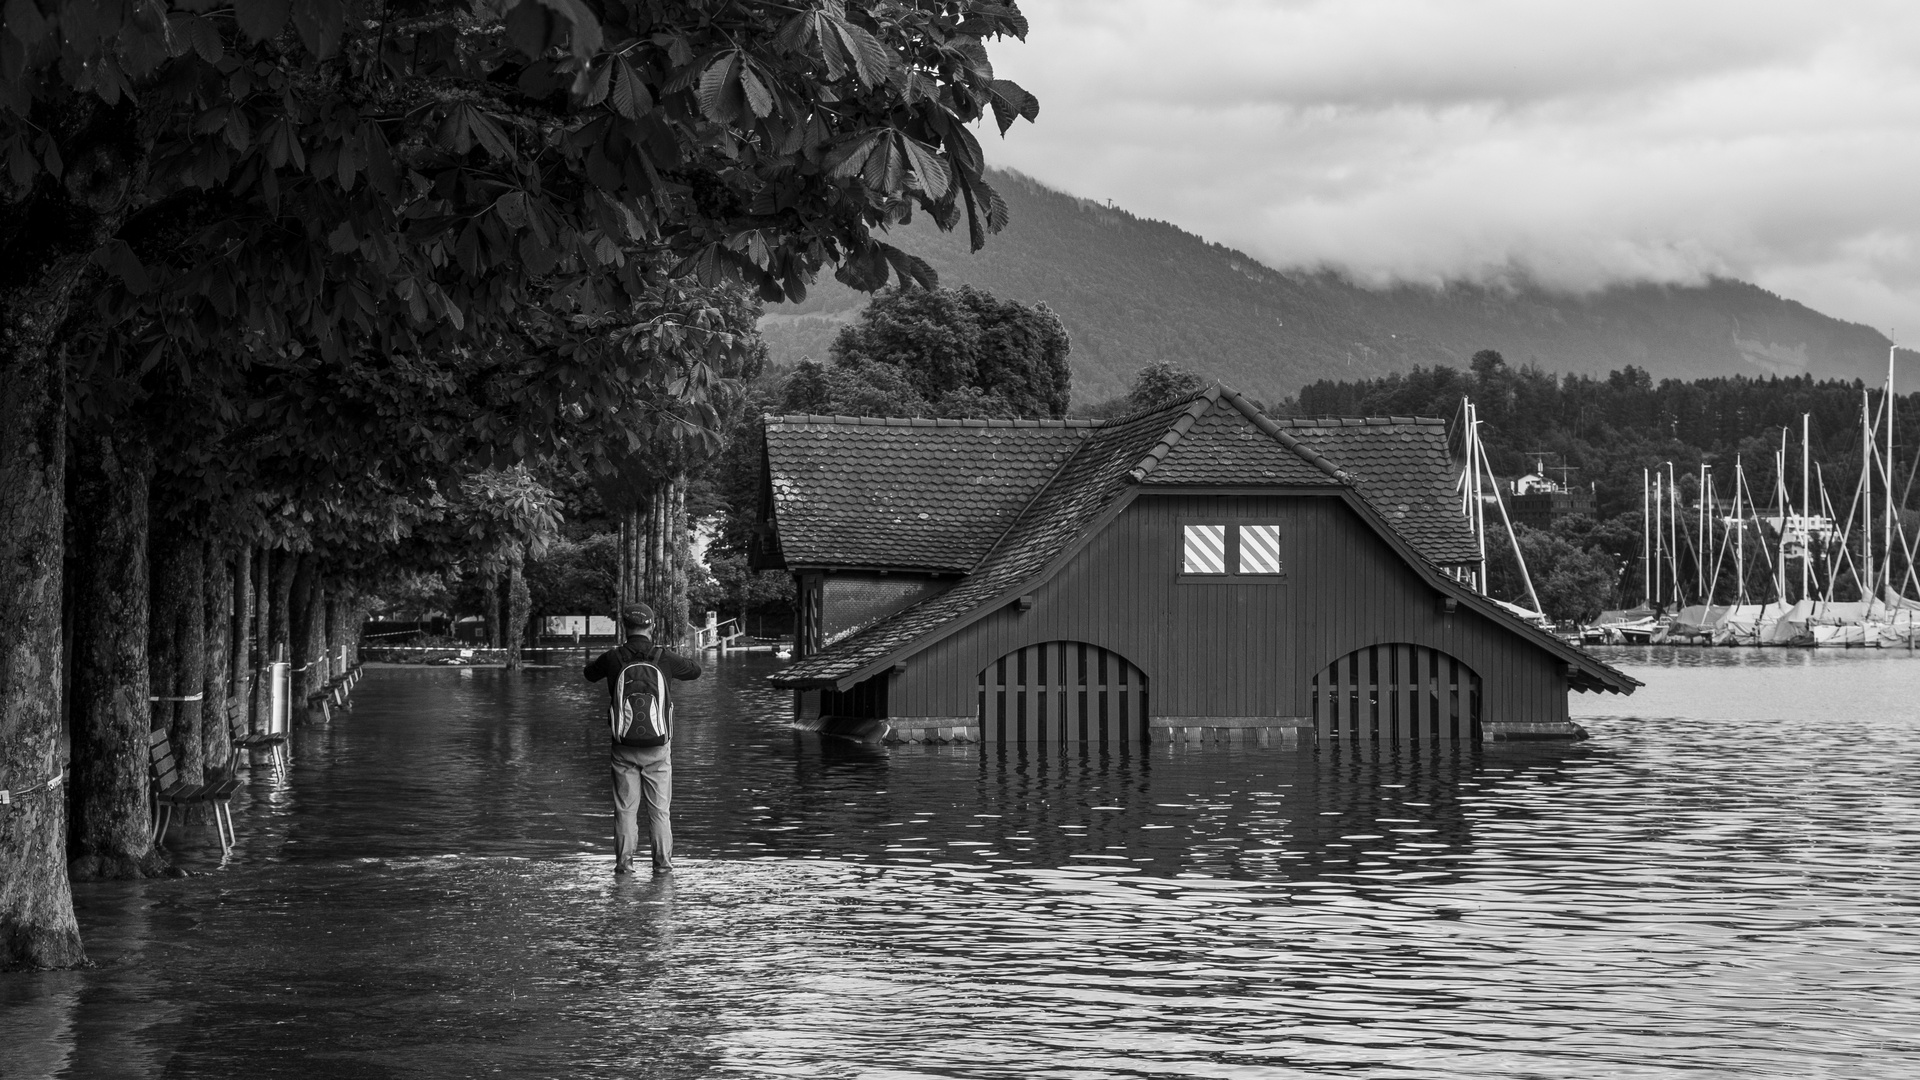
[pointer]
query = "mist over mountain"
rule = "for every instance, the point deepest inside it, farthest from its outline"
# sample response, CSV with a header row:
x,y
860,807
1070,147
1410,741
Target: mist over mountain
x,y
1132,291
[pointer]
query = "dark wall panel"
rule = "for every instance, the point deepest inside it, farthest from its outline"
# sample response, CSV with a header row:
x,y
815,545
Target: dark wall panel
x,y
1237,649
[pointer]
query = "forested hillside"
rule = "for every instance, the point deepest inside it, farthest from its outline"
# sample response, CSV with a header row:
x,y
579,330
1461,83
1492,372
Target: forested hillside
x,y
1132,291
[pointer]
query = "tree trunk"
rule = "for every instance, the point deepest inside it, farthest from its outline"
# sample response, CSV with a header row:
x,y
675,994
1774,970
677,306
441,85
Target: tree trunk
x,y
219,639
312,635
242,661
265,590
37,927
490,599
299,643
176,640
286,567
519,605
111,717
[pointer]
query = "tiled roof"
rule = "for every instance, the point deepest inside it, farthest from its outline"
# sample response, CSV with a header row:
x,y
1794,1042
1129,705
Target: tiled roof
x,y
1087,485
904,494
1223,448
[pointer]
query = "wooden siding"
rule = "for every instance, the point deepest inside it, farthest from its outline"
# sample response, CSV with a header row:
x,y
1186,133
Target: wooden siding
x,y
1062,693
1398,693
1222,648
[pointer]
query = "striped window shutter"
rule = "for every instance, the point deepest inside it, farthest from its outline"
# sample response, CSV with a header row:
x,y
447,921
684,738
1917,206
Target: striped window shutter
x,y
1206,549
1259,549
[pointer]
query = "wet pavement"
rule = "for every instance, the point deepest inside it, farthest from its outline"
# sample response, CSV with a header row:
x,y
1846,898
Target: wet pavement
x,y
1722,882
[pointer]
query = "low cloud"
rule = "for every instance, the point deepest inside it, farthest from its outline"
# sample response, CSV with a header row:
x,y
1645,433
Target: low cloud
x,y
1575,144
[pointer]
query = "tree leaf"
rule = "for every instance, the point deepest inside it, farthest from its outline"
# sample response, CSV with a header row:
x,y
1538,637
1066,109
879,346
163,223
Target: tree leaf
x,y
1011,102
629,97
720,96
320,23
512,208
872,62
25,23
261,19
205,38
533,28
850,157
759,97
489,134
928,168
599,80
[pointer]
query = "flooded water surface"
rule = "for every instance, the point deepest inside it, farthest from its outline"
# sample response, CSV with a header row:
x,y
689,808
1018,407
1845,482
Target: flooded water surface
x,y
1723,881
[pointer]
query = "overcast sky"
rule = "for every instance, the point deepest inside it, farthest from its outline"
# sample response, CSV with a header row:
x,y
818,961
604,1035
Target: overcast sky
x,y
1577,142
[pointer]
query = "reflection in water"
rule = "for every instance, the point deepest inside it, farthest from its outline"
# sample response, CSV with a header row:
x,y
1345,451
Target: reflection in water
x,y
430,894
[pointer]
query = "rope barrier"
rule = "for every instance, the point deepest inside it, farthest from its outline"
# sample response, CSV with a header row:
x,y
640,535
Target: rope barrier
x,y
196,697
7,797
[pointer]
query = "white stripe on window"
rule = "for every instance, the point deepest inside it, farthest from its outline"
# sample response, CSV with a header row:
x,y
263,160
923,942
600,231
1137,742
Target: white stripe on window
x,y
1259,549
1206,549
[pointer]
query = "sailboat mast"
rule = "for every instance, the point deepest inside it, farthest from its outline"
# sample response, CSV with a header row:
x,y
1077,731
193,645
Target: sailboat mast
x,y
1806,514
1886,462
1700,551
1646,536
1673,515
1740,523
1780,500
1479,504
1866,499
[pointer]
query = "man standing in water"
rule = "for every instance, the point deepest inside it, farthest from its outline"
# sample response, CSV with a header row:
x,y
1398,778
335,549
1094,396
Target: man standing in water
x,y
641,774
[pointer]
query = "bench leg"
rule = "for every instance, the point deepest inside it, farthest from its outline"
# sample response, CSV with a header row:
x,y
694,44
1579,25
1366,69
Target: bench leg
x,y
223,821
163,819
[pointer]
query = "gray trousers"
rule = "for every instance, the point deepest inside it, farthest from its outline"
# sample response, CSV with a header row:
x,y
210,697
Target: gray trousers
x,y
642,776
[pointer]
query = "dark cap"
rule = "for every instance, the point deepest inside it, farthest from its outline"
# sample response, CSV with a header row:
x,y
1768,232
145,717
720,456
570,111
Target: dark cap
x,y
636,617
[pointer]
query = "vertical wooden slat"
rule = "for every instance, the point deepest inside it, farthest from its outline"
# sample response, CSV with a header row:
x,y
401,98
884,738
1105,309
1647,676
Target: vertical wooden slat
x,y
1395,692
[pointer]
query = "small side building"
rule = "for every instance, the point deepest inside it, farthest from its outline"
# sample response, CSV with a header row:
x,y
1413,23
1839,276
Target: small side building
x,y
1200,572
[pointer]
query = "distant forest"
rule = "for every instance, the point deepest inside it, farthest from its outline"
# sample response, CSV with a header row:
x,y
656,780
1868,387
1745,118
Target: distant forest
x,y
1606,430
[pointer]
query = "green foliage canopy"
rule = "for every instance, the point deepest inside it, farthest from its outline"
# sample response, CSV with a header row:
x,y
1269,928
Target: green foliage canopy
x,y
942,352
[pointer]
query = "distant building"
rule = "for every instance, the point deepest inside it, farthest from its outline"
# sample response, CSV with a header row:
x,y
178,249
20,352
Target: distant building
x,y
1199,572
1538,500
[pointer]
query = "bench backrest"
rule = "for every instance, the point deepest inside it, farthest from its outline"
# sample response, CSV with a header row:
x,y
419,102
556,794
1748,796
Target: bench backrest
x,y
166,771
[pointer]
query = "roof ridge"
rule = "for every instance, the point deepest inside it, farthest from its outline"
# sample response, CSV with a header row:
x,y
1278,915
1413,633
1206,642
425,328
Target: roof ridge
x,y
928,421
1355,421
1202,404
1272,430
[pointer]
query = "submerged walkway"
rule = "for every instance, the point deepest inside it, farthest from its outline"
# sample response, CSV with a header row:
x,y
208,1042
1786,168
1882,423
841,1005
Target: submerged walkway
x,y
430,894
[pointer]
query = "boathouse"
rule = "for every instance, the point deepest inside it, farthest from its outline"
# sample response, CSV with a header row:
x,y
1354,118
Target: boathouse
x,y
1199,572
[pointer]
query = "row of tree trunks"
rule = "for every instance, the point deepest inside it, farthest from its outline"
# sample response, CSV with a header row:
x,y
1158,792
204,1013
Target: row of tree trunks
x,y
654,553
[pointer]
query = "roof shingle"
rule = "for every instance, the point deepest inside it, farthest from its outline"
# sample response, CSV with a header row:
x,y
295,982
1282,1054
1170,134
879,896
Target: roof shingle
x,y
905,494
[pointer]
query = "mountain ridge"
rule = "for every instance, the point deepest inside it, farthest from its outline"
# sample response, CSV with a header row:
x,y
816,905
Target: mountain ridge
x,y
1135,290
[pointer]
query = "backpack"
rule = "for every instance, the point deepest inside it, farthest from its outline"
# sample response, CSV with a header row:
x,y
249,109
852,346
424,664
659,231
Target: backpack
x,y
640,714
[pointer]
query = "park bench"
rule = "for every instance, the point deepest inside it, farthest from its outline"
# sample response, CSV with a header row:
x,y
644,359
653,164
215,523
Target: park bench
x,y
170,789
243,739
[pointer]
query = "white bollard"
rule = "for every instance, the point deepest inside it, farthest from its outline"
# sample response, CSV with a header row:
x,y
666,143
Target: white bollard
x,y
279,716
